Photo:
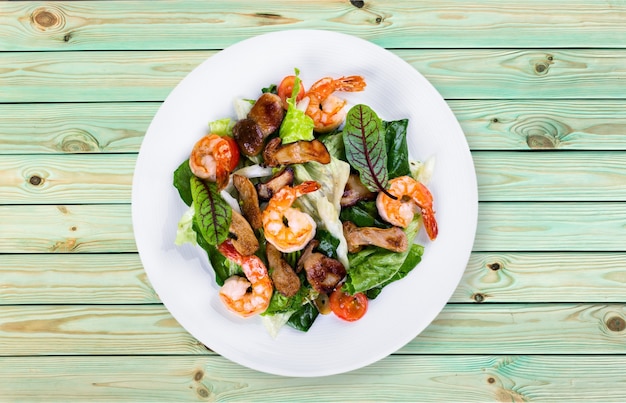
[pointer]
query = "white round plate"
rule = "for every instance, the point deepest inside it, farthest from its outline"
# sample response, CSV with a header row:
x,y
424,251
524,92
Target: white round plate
x,y
182,276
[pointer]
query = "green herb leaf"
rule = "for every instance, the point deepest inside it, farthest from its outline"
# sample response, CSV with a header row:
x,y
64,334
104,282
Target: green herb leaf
x,y
213,214
364,140
397,149
296,124
182,178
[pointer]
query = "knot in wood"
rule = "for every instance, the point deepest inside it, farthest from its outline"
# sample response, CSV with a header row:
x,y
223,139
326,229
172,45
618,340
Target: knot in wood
x,y
357,3
478,297
541,68
35,180
47,18
616,324
495,266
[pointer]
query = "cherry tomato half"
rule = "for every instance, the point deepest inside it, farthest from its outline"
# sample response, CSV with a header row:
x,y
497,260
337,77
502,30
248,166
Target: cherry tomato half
x,y
234,152
348,307
285,89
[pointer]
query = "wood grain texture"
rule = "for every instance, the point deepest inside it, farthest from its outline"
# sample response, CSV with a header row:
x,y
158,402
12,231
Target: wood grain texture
x,y
66,228
535,226
502,176
458,329
74,128
66,25
119,278
457,74
428,378
488,125
502,226
551,176
46,179
543,277
81,278
542,125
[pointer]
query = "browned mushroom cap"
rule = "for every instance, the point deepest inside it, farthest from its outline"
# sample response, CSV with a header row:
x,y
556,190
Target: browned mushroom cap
x,y
295,153
249,137
393,239
285,280
268,189
322,272
263,119
249,200
242,236
354,191
268,113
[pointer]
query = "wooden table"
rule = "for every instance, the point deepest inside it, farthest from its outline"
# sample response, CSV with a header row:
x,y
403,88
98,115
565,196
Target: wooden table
x,y
539,88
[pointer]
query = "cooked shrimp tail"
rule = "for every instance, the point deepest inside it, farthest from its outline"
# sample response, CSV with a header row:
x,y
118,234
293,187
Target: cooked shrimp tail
x,y
210,159
250,295
286,227
327,110
411,197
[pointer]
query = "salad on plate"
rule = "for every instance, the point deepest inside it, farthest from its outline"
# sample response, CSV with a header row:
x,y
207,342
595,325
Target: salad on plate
x,y
304,205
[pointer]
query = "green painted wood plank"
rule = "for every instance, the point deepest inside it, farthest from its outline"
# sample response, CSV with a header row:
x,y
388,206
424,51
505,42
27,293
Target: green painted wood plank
x,y
551,176
502,226
94,278
457,74
488,125
81,278
66,25
539,124
458,329
525,329
120,279
68,178
74,128
502,176
543,277
66,228
575,227
428,378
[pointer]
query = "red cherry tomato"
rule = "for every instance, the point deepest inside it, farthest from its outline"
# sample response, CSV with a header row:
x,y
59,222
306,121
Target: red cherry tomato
x,y
234,152
285,89
348,307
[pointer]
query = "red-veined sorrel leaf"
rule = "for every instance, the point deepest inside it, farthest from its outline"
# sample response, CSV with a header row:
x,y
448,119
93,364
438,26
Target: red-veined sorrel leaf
x,y
364,140
212,213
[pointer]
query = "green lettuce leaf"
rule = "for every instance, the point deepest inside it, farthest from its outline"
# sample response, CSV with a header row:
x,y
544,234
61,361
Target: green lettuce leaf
x,y
324,205
412,259
222,127
364,141
182,182
222,267
212,213
185,232
375,267
364,214
397,148
296,124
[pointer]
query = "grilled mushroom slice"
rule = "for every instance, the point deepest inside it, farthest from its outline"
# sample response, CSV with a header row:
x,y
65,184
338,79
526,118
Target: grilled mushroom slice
x,y
322,272
242,236
285,280
249,200
284,178
263,119
249,137
393,239
302,151
354,191
268,113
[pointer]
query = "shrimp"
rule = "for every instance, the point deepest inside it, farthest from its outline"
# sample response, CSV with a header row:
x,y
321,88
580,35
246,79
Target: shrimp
x,y
288,228
250,295
211,159
327,110
412,196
